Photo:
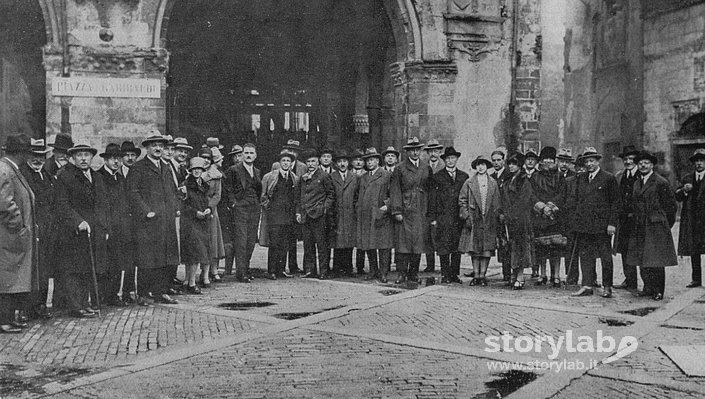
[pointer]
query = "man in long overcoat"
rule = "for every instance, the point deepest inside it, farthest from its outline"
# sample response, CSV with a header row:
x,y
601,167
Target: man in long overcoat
x,y
444,213
346,191
358,169
596,214
17,233
501,175
626,179
691,240
410,186
316,201
42,185
375,234
153,204
82,207
434,150
651,243
120,248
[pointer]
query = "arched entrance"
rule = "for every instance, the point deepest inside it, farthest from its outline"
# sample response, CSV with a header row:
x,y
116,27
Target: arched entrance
x,y
22,78
314,70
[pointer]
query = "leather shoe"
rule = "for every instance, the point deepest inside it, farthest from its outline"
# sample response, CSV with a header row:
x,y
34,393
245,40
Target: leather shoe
x,y
84,314
641,294
165,298
658,296
694,284
272,276
19,324
195,290
471,274
583,291
309,275
383,280
9,329
22,317
607,292
429,269
445,280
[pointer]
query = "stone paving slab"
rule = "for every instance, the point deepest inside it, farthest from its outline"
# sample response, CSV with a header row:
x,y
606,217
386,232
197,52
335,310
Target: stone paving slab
x,y
306,364
590,387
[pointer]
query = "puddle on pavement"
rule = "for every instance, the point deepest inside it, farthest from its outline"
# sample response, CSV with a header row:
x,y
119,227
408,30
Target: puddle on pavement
x,y
390,292
507,383
301,315
244,305
16,380
615,322
640,311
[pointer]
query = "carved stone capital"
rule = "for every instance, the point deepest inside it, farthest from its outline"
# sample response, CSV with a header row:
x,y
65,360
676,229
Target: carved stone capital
x,y
418,72
362,124
110,60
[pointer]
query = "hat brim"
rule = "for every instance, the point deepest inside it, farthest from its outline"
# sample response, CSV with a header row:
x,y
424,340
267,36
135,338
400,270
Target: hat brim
x,y
651,158
628,153
434,147
291,147
384,154
111,154
565,158
584,157
479,161
696,157
413,146
457,154
234,152
147,142
71,151
183,147
368,156
40,152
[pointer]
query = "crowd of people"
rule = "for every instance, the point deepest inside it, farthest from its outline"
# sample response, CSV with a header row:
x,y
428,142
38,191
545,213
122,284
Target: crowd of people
x,y
82,237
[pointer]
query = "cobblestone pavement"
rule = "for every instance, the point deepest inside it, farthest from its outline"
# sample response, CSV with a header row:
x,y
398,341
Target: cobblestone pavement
x,y
353,338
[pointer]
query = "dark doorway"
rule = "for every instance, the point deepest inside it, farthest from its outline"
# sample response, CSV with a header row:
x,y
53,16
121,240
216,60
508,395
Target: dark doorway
x,y
22,77
690,137
268,71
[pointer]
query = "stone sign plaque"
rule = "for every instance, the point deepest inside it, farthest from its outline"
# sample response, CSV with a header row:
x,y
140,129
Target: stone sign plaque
x,y
106,87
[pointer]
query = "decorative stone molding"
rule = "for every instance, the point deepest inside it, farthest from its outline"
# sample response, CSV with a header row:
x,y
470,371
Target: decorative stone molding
x,y
474,27
362,124
113,60
415,72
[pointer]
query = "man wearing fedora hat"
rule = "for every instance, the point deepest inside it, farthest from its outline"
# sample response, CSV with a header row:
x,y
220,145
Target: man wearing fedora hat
x,y
691,240
236,154
410,185
651,242
316,201
433,150
391,158
17,233
626,179
596,205
153,204
444,213
564,161
59,157
344,236
42,185
214,142
120,245
82,207
375,230
358,168
130,153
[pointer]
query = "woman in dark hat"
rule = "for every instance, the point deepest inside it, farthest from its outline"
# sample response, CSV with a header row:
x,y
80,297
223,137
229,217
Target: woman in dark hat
x,y
195,223
480,208
651,245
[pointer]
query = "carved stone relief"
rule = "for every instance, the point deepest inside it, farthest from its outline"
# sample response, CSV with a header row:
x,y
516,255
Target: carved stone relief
x,y
474,27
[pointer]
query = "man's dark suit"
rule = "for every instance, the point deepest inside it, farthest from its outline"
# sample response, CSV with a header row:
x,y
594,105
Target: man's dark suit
x,y
444,208
596,206
316,200
243,192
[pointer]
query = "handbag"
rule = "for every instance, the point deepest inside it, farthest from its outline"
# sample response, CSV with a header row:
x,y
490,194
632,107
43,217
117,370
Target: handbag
x,y
553,240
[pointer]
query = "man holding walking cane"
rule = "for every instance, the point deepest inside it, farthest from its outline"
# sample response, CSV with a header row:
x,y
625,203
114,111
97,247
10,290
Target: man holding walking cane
x,y
82,205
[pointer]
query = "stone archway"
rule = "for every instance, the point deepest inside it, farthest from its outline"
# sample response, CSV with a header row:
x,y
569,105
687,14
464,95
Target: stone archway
x,y
363,113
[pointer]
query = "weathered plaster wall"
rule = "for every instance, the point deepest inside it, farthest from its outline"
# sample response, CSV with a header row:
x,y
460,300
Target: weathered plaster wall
x,y
551,125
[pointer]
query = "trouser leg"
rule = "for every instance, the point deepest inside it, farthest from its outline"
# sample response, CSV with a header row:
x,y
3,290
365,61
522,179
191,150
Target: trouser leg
x,y
414,264
374,261
322,246
455,258
402,261
385,260
360,260
630,273
445,265
697,273
430,261
76,289
604,247
309,248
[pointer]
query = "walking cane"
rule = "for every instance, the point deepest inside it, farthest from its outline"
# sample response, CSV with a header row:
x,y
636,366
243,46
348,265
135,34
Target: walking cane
x,y
95,277
572,259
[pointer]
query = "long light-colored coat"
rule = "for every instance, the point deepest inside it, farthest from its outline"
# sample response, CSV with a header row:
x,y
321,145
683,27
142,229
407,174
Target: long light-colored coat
x,y
409,189
346,195
655,209
374,226
17,230
480,232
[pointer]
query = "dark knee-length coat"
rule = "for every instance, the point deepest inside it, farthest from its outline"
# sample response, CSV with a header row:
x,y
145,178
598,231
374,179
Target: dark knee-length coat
x,y
151,189
655,209
195,232
691,240
374,226
445,210
346,195
78,200
120,243
409,188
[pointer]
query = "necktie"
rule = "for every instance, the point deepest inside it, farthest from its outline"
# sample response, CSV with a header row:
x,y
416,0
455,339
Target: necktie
x,y
88,176
41,177
590,177
344,176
